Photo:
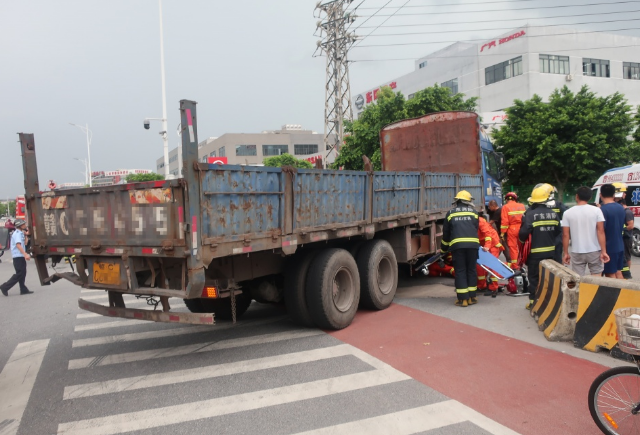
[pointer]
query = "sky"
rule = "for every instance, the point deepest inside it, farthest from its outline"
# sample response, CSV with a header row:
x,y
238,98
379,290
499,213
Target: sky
x,y
248,63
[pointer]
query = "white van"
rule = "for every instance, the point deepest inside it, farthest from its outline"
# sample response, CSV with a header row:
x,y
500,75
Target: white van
x,y
630,175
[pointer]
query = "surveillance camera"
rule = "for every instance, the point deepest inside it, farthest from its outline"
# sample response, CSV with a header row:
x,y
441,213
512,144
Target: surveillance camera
x,y
146,124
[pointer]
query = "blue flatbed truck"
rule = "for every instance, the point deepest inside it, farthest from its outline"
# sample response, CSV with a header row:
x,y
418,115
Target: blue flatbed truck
x,y
325,242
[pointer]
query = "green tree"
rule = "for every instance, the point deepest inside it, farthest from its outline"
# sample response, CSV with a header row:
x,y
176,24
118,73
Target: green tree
x,y
364,133
286,160
137,178
12,208
573,138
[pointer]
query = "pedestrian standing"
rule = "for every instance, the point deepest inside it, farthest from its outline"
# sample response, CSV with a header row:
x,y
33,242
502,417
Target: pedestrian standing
x,y
511,219
494,211
460,237
542,224
583,224
20,258
627,236
614,220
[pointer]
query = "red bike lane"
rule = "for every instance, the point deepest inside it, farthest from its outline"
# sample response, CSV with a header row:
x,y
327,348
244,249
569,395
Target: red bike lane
x,y
527,388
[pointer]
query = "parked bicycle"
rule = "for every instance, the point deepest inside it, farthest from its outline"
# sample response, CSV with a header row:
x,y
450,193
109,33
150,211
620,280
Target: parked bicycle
x,y
614,396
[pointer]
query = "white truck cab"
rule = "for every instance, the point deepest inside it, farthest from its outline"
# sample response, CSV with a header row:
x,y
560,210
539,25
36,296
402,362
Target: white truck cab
x,y
629,175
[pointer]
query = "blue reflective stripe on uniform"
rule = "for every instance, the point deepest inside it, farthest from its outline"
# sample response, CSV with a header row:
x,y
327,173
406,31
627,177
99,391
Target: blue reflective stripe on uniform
x,y
462,213
465,239
539,223
547,249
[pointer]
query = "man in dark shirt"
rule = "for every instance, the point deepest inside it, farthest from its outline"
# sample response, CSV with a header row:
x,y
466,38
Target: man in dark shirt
x,y
614,221
494,214
627,237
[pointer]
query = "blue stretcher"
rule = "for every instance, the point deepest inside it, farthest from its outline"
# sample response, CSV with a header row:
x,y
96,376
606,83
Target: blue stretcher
x,y
493,265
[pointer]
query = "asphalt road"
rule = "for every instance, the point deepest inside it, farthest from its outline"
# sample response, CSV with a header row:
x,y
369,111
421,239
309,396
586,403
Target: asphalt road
x,y
68,371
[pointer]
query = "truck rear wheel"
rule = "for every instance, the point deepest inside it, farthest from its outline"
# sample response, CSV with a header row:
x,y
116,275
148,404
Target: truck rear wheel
x,y
378,274
295,298
333,289
221,307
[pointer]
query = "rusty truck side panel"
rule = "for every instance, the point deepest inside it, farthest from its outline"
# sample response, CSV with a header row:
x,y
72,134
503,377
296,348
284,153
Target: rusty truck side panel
x,y
438,142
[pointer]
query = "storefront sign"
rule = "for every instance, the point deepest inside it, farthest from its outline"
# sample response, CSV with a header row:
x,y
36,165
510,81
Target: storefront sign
x,y
501,41
373,95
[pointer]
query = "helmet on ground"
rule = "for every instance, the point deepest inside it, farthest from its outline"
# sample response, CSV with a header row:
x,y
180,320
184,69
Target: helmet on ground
x,y
541,193
463,195
19,222
621,189
511,195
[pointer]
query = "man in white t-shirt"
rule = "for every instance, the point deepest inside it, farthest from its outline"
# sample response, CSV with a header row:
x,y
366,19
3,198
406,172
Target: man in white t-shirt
x,y
584,224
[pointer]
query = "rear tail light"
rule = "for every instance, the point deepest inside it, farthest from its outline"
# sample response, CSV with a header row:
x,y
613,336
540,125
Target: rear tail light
x,y
210,292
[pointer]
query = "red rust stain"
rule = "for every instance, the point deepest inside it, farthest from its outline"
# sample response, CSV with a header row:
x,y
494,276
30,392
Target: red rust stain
x,y
247,205
233,207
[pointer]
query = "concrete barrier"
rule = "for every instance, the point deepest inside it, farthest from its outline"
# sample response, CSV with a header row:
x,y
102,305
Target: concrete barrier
x,y
556,301
599,298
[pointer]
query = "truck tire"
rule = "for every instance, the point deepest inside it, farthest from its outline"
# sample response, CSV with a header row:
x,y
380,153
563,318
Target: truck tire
x,y
295,298
378,274
220,307
333,289
635,249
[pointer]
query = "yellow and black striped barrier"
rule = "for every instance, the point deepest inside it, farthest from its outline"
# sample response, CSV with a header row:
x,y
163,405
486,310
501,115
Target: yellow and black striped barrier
x,y
599,298
556,301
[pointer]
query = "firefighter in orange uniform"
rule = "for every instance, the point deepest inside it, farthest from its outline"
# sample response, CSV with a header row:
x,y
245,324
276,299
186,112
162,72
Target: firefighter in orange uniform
x,y
442,267
490,242
511,219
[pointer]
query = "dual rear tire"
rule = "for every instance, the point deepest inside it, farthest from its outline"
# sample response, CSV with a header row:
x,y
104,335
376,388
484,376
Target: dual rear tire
x,y
324,288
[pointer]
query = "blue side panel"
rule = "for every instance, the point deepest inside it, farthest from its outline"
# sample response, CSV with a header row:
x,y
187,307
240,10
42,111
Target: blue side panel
x,y
473,184
239,200
440,190
395,194
324,198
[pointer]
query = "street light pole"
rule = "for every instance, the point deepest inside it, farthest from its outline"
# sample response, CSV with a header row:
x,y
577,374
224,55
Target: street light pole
x,y
86,171
89,136
165,136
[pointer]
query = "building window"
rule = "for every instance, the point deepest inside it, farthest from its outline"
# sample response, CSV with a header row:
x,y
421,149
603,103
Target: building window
x,y
173,159
503,71
411,96
452,85
221,152
274,150
212,154
301,150
595,67
422,64
246,150
554,64
631,70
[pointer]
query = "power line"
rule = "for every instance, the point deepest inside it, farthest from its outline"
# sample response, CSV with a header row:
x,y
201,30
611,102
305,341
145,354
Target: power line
x,y
512,10
388,18
508,28
506,20
374,14
484,39
553,51
463,4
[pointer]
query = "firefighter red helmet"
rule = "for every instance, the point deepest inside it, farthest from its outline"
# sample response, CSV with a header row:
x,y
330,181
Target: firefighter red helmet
x,y
512,195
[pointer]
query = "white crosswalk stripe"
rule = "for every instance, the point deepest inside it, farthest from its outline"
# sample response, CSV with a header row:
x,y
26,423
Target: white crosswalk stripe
x,y
16,382
283,367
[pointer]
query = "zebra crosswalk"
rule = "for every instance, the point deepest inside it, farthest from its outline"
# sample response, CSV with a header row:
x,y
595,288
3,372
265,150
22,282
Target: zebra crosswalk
x,y
262,376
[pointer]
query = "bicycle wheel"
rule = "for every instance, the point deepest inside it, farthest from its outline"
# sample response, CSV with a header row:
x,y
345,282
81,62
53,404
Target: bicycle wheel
x,y
612,397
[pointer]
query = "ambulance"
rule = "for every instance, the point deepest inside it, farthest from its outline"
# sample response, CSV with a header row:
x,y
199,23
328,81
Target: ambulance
x,y
630,175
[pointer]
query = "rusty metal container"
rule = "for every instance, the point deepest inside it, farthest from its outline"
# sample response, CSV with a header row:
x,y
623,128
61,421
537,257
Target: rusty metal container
x,y
438,142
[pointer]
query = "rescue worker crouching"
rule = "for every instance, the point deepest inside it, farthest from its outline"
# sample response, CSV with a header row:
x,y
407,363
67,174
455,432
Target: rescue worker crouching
x,y
490,242
511,220
460,237
543,224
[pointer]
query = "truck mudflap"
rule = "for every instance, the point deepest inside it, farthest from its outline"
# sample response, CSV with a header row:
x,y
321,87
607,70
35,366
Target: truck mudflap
x,y
150,315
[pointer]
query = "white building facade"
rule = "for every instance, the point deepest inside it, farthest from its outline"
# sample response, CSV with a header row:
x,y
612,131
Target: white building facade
x,y
523,62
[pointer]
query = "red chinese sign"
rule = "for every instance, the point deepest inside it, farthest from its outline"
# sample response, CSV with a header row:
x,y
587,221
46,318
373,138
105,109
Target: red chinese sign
x,y
217,160
373,95
501,41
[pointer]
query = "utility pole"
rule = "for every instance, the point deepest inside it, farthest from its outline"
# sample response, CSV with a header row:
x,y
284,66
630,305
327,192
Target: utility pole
x,y
335,43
